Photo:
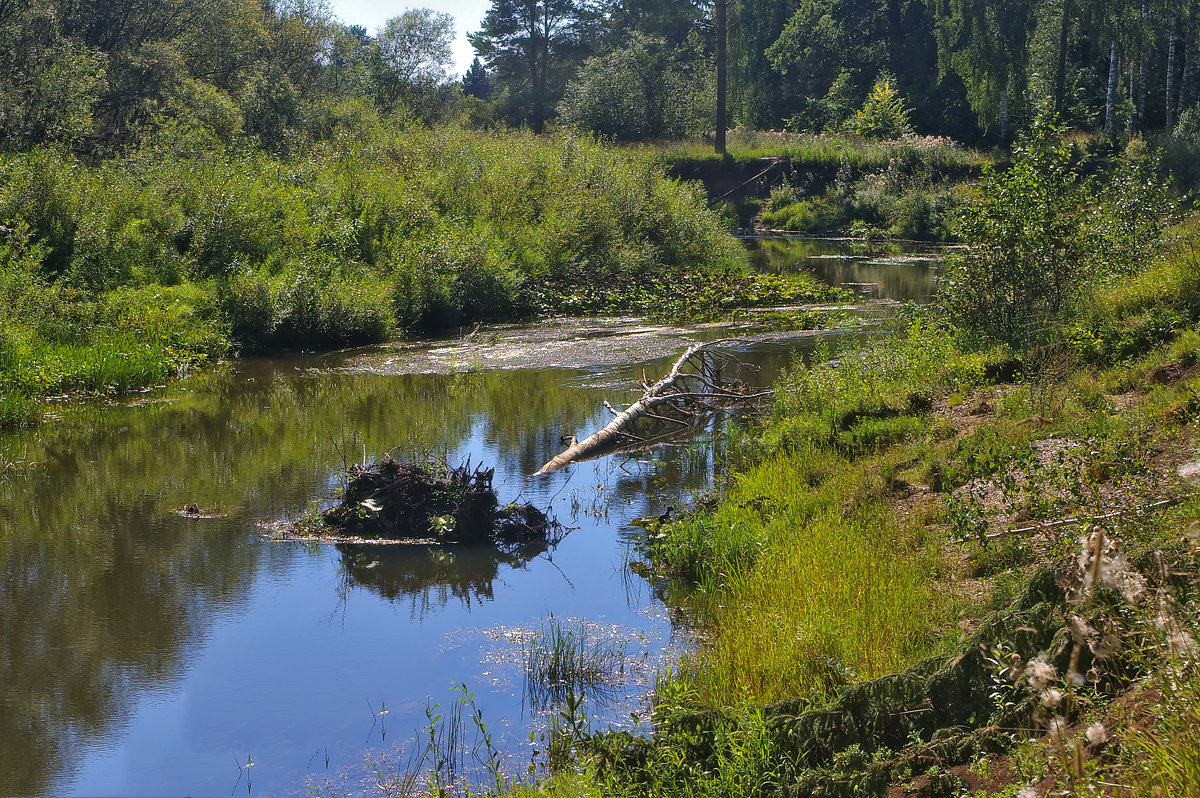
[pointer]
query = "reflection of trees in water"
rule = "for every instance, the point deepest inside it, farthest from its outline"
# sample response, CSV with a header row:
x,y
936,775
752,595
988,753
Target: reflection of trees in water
x,y
688,466
900,281
104,591
430,577
84,632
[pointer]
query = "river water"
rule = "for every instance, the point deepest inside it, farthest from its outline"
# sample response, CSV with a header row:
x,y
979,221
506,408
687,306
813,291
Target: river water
x,y
144,652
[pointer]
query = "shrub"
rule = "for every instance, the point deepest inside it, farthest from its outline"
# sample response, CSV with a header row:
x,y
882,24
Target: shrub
x,y
1039,238
250,306
831,111
884,115
808,216
321,308
642,90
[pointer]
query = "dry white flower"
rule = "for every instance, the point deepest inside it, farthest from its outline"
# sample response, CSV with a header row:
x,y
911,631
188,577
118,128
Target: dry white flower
x,y
1057,729
1027,792
1052,697
1114,571
1131,585
1180,642
1041,674
1105,647
1096,735
1080,628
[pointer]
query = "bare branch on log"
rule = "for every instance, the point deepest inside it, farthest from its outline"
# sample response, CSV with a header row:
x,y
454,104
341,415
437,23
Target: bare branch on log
x,y
668,420
681,390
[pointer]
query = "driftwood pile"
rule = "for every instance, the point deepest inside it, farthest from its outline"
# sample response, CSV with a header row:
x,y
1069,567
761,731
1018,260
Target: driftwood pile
x,y
394,500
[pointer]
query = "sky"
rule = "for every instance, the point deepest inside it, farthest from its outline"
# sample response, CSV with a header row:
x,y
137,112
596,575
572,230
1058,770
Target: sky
x,y
371,14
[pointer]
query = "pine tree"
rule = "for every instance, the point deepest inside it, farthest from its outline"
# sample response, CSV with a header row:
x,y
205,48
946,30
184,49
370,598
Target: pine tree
x,y
476,82
530,47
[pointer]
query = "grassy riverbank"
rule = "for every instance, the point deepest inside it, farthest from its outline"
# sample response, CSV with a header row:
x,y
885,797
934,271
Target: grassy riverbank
x,y
886,573
959,559
122,274
910,187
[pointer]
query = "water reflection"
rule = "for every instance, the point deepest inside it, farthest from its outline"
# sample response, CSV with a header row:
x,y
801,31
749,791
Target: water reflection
x,y
104,589
87,625
901,271
107,594
429,577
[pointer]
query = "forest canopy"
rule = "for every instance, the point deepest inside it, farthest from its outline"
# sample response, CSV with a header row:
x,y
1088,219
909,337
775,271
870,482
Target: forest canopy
x,y
97,75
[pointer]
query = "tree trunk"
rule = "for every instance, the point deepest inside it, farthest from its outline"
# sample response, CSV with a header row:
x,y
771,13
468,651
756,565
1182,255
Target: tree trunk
x,y
540,111
1060,79
1004,117
721,10
1169,107
1141,81
531,61
655,395
1189,54
669,390
895,15
1111,98
1131,123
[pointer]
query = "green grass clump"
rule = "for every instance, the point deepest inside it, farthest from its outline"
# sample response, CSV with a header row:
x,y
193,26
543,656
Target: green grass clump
x,y
805,577
888,378
567,661
1136,314
1166,751
59,339
830,600
806,216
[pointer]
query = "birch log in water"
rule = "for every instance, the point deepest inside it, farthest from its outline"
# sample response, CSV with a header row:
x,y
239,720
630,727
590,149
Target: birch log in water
x,y
672,389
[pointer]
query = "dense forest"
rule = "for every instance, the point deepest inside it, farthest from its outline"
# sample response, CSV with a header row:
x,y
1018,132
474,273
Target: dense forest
x,y
99,76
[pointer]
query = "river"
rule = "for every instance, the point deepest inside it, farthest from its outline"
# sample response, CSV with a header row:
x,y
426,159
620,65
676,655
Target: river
x,y
145,652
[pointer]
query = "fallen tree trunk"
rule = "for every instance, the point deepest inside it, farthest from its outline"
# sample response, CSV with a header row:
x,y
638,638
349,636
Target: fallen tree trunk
x,y
671,390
